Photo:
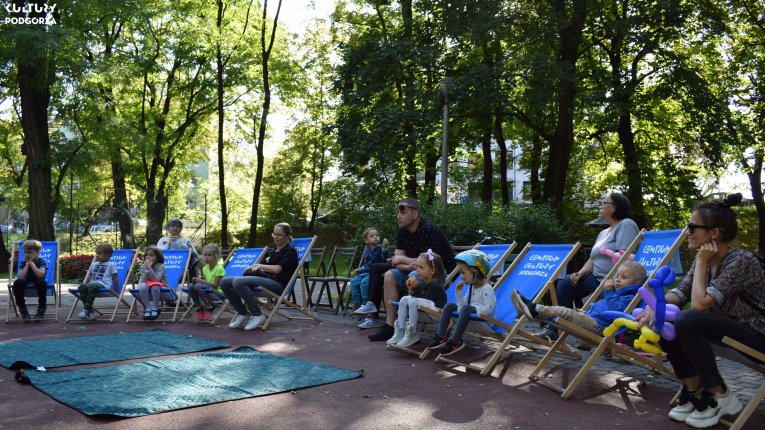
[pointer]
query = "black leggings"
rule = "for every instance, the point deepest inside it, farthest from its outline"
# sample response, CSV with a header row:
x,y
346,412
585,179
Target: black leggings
x,y
691,353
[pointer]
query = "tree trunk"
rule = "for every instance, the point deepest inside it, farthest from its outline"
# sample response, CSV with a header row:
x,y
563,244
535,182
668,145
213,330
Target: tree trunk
x,y
34,80
488,165
265,54
632,163
221,116
127,233
499,136
755,182
563,140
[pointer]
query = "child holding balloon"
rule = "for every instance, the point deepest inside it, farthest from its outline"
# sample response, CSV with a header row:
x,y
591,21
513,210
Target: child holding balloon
x,y
617,295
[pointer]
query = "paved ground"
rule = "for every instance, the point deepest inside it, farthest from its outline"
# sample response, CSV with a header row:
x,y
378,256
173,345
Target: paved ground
x,y
397,390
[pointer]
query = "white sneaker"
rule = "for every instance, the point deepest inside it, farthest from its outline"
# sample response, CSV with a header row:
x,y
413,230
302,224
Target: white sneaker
x,y
410,337
91,316
686,403
254,322
714,407
83,314
367,308
370,323
398,334
238,321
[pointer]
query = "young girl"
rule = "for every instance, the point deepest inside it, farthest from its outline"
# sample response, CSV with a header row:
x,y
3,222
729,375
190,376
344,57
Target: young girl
x,y
373,253
151,281
428,291
480,299
212,273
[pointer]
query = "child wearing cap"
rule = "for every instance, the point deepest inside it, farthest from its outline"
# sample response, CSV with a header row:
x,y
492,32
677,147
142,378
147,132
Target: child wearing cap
x,y
474,266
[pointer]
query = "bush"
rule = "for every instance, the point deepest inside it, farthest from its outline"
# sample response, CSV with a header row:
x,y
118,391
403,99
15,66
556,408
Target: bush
x,y
74,267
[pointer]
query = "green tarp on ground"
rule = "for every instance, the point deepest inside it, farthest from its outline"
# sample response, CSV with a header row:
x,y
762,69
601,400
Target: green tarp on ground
x,y
103,348
150,387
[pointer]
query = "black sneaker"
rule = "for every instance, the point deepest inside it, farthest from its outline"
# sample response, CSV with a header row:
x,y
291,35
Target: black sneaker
x,y
550,335
40,314
383,333
25,314
450,347
524,305
437,342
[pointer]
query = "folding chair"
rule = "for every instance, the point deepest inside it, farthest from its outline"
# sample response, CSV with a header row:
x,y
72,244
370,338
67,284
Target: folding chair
x,y
344,255
123,260
657,248
497,254
532,273
49,253
235,264
316,255
176,265
736,351
280,301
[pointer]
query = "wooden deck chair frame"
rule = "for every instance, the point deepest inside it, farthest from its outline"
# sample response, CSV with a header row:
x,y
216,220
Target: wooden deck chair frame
x,y
279,303
53,279
238,270
124,268
751,358
432,316
513,329
169,292
654,363
317,256
340,280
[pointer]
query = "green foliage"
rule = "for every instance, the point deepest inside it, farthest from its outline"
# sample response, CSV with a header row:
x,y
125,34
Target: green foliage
x,y
74,267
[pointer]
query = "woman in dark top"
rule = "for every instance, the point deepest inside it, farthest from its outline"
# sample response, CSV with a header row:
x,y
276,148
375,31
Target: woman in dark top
x,y
273,274
726,289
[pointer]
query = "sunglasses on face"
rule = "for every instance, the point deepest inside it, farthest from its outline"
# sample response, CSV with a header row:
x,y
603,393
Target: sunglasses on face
x,y
692,227
403,208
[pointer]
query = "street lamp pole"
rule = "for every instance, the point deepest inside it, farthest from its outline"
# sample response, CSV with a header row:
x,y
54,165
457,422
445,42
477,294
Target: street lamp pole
x,y
445,84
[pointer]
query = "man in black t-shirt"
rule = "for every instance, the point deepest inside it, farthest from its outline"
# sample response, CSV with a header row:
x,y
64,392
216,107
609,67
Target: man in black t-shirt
x,y
415,236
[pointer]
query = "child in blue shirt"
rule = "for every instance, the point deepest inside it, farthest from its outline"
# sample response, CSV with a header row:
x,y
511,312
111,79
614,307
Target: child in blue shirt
x,y
373,253
101,274
33,271
617,294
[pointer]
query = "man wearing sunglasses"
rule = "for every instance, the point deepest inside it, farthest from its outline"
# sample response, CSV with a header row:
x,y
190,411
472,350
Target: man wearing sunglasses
x,y
415,236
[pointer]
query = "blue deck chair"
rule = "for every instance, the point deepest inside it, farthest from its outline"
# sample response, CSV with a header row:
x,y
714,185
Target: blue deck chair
x,y
235,265
123,260
49,253
532,273
280,304
655,249
176,265
497,253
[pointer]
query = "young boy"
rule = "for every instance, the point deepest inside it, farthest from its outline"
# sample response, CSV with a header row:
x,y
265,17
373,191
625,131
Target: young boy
x,y
33,271
101,274
617,295
373,253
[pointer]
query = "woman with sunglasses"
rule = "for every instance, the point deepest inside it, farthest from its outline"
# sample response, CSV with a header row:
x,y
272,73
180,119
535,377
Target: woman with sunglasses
x,y
726,289
273,274
621,231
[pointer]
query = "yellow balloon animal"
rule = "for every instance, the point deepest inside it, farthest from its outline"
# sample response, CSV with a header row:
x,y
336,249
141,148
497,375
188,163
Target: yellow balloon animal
x,y
648,340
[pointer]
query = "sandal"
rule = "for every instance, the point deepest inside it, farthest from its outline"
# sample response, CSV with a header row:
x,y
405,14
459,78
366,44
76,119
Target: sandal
x,y
147,315
154,315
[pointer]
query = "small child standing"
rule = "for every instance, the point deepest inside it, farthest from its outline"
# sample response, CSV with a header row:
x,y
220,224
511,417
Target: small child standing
x,y
428,291
212,273
33,272
101,274
151,281
617,295
474,266
373,253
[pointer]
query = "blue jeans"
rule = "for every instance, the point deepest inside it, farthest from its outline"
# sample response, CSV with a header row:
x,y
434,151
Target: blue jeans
x,y
360,288
462,320
239,292
567,292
